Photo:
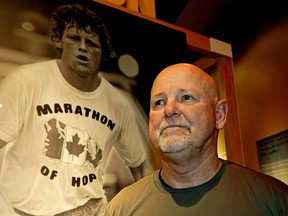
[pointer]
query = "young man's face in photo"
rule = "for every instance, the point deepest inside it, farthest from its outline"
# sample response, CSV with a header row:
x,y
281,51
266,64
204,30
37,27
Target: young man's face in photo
x,y
81,51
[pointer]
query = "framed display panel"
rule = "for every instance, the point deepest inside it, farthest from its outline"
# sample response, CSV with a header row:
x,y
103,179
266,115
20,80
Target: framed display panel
x,y
152,43
273,154
213,56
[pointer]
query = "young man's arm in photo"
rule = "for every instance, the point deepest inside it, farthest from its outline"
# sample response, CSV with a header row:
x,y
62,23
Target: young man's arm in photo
x,y
5,206
140,171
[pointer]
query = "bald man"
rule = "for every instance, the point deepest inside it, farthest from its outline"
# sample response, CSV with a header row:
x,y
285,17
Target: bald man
x,y
186,115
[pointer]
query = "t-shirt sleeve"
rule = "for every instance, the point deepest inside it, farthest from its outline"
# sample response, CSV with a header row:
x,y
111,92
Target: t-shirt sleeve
x,y
11,107
133,136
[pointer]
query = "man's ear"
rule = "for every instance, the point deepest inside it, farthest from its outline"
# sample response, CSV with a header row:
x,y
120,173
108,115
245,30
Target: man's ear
x,y
59,44
221,113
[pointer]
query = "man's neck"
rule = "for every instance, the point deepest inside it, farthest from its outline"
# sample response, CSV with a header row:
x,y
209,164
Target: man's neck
x,y
82,83
185,175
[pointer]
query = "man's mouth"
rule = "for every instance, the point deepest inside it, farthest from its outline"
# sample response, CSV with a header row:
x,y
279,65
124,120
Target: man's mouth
x,y
173,128
170,127
82,58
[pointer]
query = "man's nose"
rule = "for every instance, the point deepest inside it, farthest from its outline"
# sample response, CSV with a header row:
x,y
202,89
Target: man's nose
x,y
83,45
171,109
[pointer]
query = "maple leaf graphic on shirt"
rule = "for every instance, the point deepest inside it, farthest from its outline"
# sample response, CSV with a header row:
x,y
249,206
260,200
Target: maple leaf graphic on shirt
x,y
55,136
70,144
74,148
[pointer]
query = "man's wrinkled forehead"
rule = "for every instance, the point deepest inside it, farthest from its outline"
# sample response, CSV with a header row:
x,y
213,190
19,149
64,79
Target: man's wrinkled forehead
x,y
176,76
77,28
182,76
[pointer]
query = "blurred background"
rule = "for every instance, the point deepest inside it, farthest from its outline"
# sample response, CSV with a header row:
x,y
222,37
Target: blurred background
x,y
256,30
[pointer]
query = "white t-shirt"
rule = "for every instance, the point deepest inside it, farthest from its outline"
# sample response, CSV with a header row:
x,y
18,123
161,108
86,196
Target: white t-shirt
x,y
59,139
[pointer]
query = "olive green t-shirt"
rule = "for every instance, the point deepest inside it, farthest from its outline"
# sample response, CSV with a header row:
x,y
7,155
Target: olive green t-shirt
x,y
234,190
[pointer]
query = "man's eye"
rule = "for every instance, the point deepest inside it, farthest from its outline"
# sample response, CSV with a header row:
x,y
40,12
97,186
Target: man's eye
x,y
94,44
187,98
158,103
73,37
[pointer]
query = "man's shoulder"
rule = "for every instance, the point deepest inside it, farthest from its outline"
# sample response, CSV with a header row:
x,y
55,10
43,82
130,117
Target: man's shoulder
x,y
34,67
131,194
254,177
137,187
28,72
125,100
